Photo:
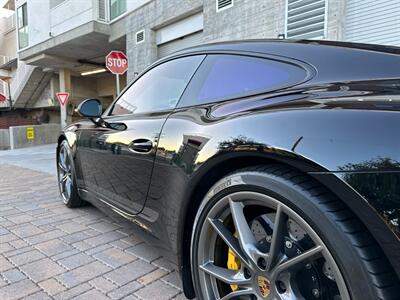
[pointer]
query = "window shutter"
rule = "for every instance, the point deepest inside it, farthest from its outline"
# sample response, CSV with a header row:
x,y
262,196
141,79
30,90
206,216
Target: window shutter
x,y
305,19
102,10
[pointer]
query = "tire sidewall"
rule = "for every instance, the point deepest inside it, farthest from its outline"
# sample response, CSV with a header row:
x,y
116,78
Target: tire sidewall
x,y
339,245
74,192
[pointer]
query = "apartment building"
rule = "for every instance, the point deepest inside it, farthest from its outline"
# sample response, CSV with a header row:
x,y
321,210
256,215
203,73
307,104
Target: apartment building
x,y
65,41
8,48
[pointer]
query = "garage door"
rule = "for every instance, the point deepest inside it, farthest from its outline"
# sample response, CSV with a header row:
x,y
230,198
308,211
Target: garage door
x,y
191,40
181,34
371,21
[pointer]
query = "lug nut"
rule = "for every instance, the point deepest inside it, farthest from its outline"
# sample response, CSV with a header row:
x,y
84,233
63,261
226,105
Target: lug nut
x,y
262,264
281,287
288,244
315,293
246,273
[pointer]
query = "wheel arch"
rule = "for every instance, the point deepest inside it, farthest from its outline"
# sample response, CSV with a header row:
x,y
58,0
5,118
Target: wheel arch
x,y
204,178
215,169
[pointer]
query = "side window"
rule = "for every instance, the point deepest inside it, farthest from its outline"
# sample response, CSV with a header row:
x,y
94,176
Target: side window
x,y
223,77
158,89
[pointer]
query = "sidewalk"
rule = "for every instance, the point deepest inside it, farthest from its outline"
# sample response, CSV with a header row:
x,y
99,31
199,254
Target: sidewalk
x,y
39,158
48,251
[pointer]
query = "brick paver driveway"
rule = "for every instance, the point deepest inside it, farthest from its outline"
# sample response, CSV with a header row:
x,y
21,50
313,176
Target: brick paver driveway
x,y
48,251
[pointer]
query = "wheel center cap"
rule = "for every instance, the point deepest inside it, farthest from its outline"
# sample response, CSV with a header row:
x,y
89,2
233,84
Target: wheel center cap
x,y
264,286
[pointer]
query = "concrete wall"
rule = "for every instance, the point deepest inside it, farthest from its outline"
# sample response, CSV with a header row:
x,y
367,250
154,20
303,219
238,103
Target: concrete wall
x,y
44,134
336,20
150,17
247,19
4,139
69,15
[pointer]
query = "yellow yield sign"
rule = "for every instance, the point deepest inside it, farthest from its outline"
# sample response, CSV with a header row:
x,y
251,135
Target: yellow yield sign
x,y
30,133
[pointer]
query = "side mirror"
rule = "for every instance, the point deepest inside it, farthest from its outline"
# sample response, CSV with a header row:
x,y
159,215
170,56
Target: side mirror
x,y
90,108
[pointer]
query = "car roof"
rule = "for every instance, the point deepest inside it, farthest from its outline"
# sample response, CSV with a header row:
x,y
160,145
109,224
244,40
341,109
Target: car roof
x,y
273,46
331,61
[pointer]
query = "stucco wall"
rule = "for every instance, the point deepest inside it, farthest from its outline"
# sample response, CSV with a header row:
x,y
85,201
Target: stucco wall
x,y
4,139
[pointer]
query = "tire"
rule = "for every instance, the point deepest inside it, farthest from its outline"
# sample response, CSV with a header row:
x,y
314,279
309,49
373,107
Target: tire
x,y
349,253
66,175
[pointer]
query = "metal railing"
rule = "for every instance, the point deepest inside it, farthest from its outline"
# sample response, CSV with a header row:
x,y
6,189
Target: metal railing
x,y
20,79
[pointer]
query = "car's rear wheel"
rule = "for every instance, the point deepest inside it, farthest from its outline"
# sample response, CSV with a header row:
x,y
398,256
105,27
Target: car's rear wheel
x,y
67,176
272,233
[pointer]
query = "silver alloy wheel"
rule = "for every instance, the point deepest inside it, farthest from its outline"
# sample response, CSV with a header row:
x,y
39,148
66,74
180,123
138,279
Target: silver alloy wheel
x,y
255,280
65,173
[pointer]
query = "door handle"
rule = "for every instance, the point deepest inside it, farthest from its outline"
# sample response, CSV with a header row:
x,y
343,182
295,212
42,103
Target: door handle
x,y
141,146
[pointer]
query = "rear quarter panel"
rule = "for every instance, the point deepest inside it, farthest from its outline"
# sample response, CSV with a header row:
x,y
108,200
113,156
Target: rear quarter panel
x,y
326,143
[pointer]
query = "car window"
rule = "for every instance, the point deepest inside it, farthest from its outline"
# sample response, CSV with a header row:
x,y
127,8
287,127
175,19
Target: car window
x,y
230,76
158,89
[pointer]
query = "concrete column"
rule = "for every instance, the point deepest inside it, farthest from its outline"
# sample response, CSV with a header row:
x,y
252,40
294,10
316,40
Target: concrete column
x,y
11,133
65,86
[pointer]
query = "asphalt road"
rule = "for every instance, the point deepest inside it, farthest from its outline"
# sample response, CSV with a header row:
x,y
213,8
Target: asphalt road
x,y
48,251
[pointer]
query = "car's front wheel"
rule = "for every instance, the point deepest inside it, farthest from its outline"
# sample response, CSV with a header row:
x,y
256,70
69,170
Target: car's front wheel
x,y
67,176
272,233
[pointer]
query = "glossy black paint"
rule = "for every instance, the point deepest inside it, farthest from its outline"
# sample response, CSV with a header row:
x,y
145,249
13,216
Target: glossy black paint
x,y
341,126
90,108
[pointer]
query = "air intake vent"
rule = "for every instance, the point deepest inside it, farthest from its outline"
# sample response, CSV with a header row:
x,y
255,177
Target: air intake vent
x,y
140,37
224,4
102,10
305,19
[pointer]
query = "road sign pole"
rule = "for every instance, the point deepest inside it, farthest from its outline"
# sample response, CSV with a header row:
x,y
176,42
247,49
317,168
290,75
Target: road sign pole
x,y
118,86
63,99
65,86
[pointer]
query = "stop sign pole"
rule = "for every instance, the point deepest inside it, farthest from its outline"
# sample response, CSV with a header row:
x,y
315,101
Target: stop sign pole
x,y
117,63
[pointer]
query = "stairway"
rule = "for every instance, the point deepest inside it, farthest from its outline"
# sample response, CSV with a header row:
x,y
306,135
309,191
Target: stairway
x,y
27,85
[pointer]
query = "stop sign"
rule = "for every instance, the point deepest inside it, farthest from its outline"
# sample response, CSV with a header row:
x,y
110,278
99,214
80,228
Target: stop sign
x,y
2,97
117,62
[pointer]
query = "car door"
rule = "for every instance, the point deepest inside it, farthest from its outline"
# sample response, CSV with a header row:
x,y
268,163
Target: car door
x,y
117,160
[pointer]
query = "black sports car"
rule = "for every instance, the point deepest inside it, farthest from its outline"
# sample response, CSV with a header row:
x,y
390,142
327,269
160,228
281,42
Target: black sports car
x,y
261,169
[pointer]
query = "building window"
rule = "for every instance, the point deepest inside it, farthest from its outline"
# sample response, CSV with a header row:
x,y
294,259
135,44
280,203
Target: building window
x,y
306,19
117,8
23,37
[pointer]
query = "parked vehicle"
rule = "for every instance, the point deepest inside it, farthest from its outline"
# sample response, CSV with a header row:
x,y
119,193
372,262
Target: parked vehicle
x,y
261,169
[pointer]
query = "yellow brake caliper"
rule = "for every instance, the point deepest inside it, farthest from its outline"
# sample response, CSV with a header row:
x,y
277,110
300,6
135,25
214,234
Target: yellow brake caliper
x,y
233,264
